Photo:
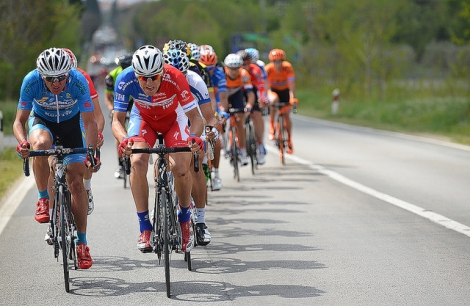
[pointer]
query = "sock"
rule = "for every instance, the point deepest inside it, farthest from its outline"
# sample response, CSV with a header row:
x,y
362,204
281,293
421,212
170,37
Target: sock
x,y
200,213
87,184
81,238
43,194
184,215
144,221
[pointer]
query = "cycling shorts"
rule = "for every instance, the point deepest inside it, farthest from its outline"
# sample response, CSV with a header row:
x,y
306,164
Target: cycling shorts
x,y
71,133
237,100
283,95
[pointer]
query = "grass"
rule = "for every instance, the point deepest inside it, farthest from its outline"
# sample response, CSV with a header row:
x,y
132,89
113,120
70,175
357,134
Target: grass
x,y
11,167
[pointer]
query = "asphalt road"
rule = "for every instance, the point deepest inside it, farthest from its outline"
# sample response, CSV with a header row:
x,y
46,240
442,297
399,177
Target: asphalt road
x,y
356,217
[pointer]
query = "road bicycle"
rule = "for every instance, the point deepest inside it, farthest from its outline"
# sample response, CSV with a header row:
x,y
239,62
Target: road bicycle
x,y
234,151
251,143
166,230
62,230
280,131
209,156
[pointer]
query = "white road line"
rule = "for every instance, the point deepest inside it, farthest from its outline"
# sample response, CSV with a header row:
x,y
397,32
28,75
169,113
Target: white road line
x,y
432,216
11,203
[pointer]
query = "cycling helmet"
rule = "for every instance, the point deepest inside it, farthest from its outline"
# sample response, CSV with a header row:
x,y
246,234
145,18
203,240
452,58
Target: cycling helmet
x,y
205,48
194,51
254,54
244,55
208,58
53,62
124,60
73,58
147,61
276,55
177,59
179,45
233,61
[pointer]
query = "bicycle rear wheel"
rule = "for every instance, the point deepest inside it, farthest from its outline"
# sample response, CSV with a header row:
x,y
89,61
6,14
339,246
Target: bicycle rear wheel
x,y
281,139
63,238
234,149
251,146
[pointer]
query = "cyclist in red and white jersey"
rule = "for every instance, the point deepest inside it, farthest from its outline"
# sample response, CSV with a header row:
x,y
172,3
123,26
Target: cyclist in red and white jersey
x,y
99,122
162,103
257,80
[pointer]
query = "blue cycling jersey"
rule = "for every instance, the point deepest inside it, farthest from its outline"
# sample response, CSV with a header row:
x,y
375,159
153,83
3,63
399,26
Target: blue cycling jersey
x,y
75,97
219,82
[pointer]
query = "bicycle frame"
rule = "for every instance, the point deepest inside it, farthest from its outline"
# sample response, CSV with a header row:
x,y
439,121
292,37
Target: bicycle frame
x,y
251,143
62,224
234,145
280,132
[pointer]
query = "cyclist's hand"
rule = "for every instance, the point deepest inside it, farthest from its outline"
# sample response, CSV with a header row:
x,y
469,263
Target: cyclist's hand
x,y
248,108
23,149
125,147
100,139
224,114
93,167
294,102
195,143
212,133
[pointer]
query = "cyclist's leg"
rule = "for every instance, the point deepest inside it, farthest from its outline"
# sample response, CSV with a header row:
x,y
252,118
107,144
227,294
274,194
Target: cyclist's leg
x,y
273,98
215,164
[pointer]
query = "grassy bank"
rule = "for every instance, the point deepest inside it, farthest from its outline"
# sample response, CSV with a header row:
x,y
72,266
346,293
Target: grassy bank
x,y
11,167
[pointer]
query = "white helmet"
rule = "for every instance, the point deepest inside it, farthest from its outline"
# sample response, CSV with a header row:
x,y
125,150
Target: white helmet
x,y
53,62
195,51
147,61
233,61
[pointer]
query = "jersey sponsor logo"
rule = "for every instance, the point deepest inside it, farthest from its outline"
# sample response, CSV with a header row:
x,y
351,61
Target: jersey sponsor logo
x,y
119,97
87,104
123,85
143,132
184,94
42,100
68,96
176,135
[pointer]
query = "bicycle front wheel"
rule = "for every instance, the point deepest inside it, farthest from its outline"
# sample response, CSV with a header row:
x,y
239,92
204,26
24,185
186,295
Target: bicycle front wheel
x,y
234,149
63,238
281,139
166,241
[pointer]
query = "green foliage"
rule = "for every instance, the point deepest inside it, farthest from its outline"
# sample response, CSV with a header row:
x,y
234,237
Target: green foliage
x,y
8,109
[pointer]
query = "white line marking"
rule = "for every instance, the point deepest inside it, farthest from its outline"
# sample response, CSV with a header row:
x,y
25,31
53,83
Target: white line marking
x,y
432,216
12,202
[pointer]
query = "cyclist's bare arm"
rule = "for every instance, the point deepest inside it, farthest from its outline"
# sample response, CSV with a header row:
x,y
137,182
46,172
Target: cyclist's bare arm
x,y
196,122
119,131
223,101
109,100
91,128
98,114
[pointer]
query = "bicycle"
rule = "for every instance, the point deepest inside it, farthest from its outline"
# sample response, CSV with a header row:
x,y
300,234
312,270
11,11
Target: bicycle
x,y
280,132
251,143
166,229
234,153
62,231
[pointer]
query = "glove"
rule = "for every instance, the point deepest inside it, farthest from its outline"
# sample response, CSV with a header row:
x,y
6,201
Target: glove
x,y
224,114
294,101
123,145
96,162
194,139
21,145
100,139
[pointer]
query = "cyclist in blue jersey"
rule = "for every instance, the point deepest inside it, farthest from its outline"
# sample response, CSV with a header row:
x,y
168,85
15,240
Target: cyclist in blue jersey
x,y
55,102
209,58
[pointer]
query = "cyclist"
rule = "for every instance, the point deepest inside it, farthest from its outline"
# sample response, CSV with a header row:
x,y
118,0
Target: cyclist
x,y
178,59
55,102
281,89
99,121
238,85
257,80
123,62
208,58
162,103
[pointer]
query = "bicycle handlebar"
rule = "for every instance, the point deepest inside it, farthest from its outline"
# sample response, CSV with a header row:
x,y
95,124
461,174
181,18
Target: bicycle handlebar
x,y
233,110
51,152
161,150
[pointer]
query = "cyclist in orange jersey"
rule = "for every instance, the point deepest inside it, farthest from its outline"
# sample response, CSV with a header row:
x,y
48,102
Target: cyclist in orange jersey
x,y
238,84
281,89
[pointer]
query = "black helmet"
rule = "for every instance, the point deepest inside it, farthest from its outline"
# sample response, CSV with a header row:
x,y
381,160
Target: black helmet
x,y
124,60
244,55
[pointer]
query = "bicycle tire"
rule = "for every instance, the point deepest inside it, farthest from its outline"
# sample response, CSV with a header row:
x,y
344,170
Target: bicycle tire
x,y
234,149
251,146
281,140
63,238
166,242
54,225
71,228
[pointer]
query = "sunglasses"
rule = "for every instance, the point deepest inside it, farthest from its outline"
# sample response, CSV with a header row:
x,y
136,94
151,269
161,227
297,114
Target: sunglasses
x,y
58,78
145,78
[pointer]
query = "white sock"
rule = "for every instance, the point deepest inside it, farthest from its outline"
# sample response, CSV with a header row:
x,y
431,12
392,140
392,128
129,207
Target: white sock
x,y
200,213
87,184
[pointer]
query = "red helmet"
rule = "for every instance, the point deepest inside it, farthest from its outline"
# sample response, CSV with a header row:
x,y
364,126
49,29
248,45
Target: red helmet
x,y
276,55
208,58
73,58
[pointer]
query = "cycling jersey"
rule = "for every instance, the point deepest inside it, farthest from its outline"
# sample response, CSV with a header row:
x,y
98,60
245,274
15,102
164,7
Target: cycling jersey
x,y
91,86
198,87
256,75
163,112
111,78
75,97
199,68
278,80
242,81
219,82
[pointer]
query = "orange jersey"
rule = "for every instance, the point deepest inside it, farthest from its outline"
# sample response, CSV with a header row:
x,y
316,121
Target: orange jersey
x,y
278,80
243,81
